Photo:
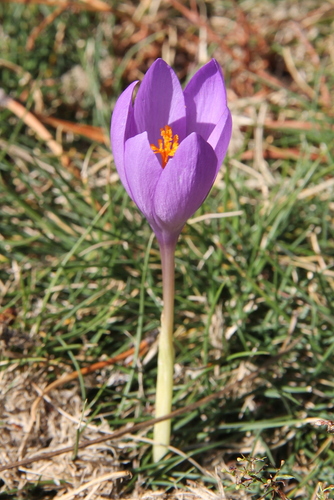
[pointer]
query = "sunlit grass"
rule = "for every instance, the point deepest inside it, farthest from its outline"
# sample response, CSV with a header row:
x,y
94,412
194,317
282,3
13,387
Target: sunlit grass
x,y
78,264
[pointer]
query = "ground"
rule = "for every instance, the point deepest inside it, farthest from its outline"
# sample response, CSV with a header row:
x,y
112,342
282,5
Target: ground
x,y
80,274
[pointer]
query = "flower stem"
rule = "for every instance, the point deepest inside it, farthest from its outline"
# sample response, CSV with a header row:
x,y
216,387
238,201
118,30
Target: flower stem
x,y
164,389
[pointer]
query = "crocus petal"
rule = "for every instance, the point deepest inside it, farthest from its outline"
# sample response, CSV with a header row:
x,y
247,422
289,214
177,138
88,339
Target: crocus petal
x,y
160,102
142,173
220,136
122,127
205,98
184,183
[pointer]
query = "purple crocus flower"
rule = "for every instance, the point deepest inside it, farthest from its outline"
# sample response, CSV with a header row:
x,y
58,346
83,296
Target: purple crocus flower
x,y
169,144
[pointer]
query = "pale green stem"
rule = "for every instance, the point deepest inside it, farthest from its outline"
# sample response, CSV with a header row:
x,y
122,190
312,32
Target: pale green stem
x,y
164,391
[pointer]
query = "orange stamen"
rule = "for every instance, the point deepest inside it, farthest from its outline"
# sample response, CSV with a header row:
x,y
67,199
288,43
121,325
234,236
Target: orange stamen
x,y
167,146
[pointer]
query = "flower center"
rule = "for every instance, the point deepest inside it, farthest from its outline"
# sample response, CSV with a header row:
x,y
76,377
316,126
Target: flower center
x,y
167,146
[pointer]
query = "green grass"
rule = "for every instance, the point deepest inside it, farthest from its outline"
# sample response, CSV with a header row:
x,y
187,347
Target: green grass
x,y
78,264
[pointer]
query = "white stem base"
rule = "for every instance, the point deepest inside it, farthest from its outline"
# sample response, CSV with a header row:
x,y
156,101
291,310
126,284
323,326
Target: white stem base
x,y
163,404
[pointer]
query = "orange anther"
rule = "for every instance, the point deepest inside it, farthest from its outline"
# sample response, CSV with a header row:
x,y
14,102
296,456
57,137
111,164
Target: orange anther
x,y
167,146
